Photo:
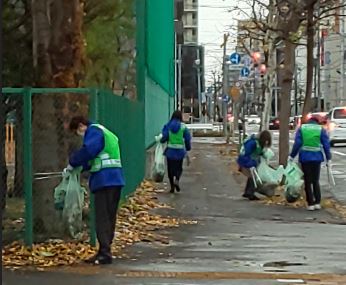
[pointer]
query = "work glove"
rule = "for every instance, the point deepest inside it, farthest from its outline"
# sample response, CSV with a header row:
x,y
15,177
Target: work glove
x,y
328,163
67,171
158,138
290,159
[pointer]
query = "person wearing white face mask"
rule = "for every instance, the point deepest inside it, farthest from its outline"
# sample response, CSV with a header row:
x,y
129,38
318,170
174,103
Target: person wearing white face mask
x,y
100,154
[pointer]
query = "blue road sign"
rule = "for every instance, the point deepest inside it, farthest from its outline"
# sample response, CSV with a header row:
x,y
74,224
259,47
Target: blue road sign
x,y
235,58
245,72
226,98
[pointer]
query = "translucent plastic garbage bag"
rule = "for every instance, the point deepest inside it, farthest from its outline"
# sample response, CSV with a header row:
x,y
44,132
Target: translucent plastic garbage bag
x,y
293,172
268,154
69,198
293,182
293,191
159,163
269,174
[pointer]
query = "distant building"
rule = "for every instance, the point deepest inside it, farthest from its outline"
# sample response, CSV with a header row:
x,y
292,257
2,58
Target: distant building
x,y
333,58
192,80
190,20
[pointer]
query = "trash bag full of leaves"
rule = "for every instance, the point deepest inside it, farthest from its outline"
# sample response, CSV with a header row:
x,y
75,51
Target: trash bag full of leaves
x,y
69,198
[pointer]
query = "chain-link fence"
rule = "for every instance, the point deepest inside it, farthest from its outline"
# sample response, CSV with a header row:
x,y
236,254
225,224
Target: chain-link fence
x,y
42,142
43,146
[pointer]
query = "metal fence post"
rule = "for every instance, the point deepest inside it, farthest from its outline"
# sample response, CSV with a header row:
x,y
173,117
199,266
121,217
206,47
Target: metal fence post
x,y
94,114
27,148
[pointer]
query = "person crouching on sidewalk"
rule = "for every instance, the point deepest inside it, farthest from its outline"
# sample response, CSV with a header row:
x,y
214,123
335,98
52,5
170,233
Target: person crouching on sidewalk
x,y
249,158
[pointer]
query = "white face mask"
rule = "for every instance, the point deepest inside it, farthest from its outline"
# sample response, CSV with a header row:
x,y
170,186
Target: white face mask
x,y
80,132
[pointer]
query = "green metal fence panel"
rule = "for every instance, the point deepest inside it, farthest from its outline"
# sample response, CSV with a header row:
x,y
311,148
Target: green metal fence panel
x,y
126,119
160,42
158,108
159,73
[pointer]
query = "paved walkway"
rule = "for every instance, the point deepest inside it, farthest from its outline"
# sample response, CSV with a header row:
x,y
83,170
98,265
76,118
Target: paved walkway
x,y
235,241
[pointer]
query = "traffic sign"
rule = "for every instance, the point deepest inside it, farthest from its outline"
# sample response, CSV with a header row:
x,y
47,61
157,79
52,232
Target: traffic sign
x,y
235,58
245,72
238,84
235,93
226,98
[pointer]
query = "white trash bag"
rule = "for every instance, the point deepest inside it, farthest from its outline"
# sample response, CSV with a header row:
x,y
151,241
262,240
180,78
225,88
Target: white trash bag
x,y
159,163
269,174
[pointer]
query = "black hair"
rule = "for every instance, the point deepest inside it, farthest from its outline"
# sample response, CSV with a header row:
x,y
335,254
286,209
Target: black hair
x,y
265,139
177,115
75,121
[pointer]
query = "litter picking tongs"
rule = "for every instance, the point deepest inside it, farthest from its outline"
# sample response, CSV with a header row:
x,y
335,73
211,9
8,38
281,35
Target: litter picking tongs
x,y
255,177
331,179
47,175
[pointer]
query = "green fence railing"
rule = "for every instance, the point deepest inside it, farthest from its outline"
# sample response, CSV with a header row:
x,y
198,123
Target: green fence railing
x,y
135,122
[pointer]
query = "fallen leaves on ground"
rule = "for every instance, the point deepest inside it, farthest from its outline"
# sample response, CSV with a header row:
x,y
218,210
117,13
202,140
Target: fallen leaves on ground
x,y
136,222
328,204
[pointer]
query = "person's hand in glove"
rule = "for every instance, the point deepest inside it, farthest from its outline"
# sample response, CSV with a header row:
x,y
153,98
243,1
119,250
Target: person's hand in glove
x,y
329,163
158,138
66,172
290,159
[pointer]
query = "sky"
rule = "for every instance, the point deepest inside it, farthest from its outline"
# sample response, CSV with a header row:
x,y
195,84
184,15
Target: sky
x,y
215,18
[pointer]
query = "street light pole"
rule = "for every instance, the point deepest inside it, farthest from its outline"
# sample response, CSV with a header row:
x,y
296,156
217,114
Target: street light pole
x,y
225,84
342,32
198,66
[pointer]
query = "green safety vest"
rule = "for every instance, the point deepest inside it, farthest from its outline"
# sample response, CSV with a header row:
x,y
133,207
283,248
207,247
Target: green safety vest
x,y
311,134
258,151
176,140
109,157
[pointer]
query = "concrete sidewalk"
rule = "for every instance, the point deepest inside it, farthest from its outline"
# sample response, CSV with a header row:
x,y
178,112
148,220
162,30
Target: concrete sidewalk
x,y
235,241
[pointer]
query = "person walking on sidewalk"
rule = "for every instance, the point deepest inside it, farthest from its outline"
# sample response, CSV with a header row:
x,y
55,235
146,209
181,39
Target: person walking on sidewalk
x,y
249,157
178,139
309,142
100,154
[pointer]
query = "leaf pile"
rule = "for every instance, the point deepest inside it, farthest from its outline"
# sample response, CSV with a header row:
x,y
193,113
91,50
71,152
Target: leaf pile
x,y
136,222
328,204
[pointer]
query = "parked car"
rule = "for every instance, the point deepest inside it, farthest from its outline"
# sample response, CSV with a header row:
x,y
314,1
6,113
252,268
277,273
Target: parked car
x,y
336,125
274,123
253,119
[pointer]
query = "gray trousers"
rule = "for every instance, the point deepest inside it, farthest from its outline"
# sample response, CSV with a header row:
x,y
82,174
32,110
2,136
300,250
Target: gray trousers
x,y
106,207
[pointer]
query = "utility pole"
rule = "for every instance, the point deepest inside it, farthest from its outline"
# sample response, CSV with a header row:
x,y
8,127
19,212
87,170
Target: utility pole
x,y
225,84
198,66
318,67
342,33
214,98
296,90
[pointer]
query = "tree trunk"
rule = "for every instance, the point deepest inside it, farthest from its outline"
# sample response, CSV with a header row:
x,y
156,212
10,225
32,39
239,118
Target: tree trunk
x,y
59,51
310,62
286,84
